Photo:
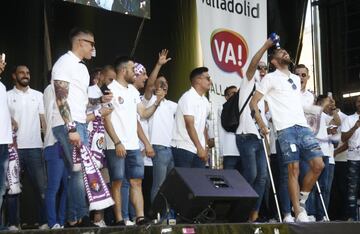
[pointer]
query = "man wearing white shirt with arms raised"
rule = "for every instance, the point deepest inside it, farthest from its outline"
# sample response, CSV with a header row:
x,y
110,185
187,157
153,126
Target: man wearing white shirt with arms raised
x,y
282,93
160,125
189,134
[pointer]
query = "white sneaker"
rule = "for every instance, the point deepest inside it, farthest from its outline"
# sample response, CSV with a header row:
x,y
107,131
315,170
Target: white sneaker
x,y
101,223
129,223
288,219
13,228
56,226
312,218
302,216
44,226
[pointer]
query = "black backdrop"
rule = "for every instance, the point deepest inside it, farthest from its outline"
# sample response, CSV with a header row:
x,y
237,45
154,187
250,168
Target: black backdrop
x,y
171,26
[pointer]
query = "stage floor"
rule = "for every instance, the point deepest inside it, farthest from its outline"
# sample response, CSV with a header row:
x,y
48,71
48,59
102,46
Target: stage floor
x,y
273,228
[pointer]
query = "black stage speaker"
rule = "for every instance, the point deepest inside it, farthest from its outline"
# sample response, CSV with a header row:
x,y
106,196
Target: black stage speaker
x,y
190,191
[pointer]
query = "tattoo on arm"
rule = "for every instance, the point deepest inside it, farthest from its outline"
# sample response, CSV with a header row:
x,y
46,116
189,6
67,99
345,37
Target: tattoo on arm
x,y
61,93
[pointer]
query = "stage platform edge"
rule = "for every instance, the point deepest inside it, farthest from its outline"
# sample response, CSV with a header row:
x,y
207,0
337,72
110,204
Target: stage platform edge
x,y
219,228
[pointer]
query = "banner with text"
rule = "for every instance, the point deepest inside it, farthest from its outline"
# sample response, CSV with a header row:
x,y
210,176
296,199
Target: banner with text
x,y
231,31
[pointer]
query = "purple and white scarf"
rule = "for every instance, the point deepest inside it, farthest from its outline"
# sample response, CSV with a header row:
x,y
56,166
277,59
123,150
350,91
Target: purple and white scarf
x,y
96,189
97,142
13,172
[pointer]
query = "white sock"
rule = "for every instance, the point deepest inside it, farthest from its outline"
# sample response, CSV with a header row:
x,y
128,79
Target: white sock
x,y
303,197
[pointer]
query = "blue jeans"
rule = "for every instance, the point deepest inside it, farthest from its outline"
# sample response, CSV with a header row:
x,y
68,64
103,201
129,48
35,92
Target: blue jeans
x,y
313,204
77,206
353,188
57,175
232,162
329,184
163,162
253,162
127,208
4,163
31,161
185,158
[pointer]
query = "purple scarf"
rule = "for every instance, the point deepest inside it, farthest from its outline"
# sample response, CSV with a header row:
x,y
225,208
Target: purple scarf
x,y
97,142
96,189
13,172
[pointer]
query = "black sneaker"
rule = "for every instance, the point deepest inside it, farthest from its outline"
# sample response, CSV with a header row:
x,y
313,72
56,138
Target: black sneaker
x,y
119,223
141,221
86,222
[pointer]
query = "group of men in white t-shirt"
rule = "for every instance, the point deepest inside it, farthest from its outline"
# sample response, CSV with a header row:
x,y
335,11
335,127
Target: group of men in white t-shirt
x,y
174,134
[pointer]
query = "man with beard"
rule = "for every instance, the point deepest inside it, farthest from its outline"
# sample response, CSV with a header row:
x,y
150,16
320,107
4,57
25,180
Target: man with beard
x,y
281,89
350,133
122,138
27,110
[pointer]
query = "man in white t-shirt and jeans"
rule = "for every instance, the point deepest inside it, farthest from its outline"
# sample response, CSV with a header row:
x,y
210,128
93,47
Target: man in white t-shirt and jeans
x,y
122,138
189,135
350,133
27,109
5,135
281,89
70,78
160,125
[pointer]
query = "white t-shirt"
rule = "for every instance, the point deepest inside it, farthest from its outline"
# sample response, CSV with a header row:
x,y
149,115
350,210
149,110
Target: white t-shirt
x,y
190,103
354,141
49,102
161,123
94,91
284,102
341,157
247,123
124,115
227,140
70,69
145,126
307,98
25,108
5,119
323,137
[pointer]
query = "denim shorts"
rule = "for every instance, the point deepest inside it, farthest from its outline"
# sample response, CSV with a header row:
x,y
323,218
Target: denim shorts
x,y
115,164
298,142
132,166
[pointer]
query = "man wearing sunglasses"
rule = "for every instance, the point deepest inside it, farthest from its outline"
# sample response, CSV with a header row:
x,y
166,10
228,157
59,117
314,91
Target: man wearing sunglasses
x,y
70,78
281,89
303,72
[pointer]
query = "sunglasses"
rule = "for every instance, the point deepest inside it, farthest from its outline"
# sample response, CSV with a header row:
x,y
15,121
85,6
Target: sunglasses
x,y
91,42
293,85
303,75
262,68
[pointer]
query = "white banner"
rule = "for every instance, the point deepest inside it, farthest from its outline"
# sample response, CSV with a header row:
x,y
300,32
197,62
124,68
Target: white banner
x,y
231,31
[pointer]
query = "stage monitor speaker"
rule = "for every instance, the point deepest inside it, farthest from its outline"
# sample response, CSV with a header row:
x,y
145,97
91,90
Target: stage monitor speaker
x,y
190,191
